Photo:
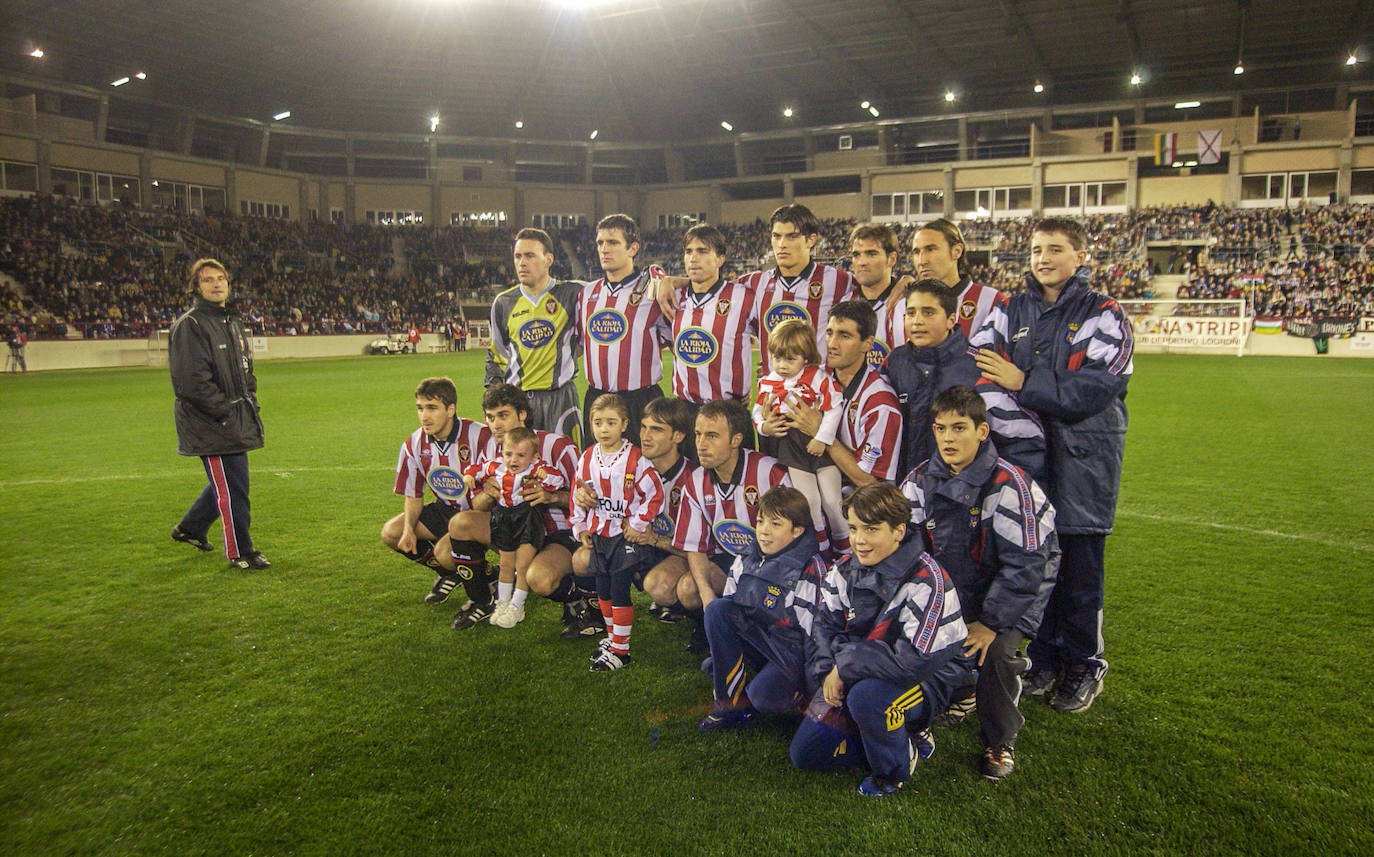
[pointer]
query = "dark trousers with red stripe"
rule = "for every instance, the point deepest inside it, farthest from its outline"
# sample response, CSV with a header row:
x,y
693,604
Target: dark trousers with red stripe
x,y
226,497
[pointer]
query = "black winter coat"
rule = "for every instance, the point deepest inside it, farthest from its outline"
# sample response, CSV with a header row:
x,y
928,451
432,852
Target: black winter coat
x,y
212,375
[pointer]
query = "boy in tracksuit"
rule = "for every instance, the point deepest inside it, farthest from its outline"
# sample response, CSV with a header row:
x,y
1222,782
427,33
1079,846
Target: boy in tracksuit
x,y
1066,350
935,357
760,622
990,526
886,649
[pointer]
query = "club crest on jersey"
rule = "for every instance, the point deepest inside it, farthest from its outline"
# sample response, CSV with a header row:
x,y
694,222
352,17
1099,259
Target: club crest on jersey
x,y
636,296
751,495
629,481
737,537
550,306
770,599
607,326
815,290
464,452
877,354
675,496
722,307
782,311
446,483
853,410
536,332
1072,332
967,309
695,346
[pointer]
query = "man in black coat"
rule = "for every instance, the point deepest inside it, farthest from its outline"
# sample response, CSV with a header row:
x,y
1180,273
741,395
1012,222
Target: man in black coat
x,y
216,413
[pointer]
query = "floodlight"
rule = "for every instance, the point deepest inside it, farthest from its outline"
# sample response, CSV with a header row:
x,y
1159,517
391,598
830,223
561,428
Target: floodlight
x,y
120,82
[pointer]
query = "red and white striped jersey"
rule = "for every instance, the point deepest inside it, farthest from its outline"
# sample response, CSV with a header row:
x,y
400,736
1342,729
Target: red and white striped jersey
x,y
716,517
891,330
626,333
814,386
975,302
872,424
808,296
712,355
561,454
674,479
439,464
513,483
627,489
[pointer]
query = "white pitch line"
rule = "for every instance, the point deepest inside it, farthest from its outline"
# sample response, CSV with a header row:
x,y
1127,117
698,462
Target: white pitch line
x,y
116,477
1254,531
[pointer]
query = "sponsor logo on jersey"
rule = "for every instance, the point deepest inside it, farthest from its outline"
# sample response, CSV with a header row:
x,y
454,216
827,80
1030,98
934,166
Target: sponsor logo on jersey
x,y
870,454
967,309
734,536
695,346
446,483
1020,333
607,326
536,332
782,311
877,354
662,524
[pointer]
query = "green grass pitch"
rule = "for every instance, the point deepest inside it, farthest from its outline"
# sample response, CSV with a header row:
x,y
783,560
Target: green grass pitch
x,y
153,702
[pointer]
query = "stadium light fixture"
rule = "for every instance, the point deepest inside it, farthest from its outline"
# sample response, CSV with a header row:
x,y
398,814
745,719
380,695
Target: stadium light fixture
x,y
1184,105
142,75
873,111
120,82
36,53
1135,78
1039,87
285,114
595,131
726,125
1239,69
949,96
787,112
434,123
519,124
1352,59
864,105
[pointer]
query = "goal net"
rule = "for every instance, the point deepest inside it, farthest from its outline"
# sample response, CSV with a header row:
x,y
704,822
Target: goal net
x,y
1194,326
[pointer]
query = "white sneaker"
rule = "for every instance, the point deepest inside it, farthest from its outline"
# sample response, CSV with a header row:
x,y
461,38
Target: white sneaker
x,y
508,615
498,616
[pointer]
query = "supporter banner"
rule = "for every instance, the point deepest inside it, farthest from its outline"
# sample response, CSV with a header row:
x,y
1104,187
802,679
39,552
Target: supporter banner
x,y
1366,325
1268,325
1311,328
1198,332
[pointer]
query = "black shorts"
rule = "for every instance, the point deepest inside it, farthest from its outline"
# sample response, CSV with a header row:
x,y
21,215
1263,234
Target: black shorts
x,y
435,517
635,401
615,555
563,538
514,526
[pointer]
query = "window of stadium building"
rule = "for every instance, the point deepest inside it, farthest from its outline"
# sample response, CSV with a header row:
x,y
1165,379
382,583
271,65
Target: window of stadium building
x,y
557,221
1362,186
477,218
672,221
394,218
900,207
1274,190
90,186
187,197
19,178
264,209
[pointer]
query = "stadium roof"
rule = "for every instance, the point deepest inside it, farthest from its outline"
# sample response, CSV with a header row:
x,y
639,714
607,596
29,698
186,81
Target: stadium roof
x,y
658,70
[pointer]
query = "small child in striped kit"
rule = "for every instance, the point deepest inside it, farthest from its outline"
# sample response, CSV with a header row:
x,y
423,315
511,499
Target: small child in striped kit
x,y
629,494
517,527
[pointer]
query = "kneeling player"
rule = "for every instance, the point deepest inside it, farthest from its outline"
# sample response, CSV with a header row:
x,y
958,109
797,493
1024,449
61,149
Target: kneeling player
x,y
434,455
762,617
886,649
517,526
615,530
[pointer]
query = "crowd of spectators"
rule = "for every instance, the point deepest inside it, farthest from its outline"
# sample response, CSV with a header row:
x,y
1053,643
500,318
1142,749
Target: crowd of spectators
x,y
99,272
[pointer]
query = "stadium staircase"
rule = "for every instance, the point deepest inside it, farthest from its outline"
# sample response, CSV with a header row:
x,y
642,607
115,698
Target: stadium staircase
x,y
1167,285
579,270
401,262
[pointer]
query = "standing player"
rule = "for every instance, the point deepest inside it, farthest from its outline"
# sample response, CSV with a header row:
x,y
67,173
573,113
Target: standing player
x,y
715,522
216,413
626,332
872,258
504,407
616,529
712,326
938,251
870,437
1067,350
535,336
434,455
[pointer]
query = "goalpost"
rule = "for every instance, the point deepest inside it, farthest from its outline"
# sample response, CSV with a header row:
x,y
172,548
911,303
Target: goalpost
x,y
157,346
1172,325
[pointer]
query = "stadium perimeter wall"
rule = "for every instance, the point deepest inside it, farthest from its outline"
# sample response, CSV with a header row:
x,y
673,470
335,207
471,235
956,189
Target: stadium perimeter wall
x,y
45,355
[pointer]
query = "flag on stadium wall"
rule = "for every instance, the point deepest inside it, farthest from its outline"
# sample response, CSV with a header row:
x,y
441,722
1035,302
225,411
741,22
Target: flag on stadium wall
x,y
1208,147
1252,279
1268,325
1166,146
